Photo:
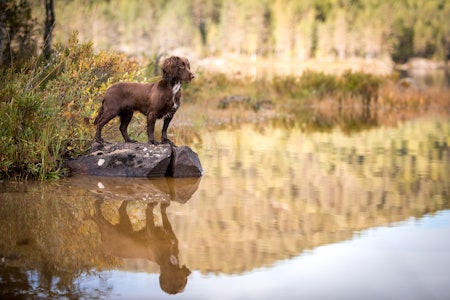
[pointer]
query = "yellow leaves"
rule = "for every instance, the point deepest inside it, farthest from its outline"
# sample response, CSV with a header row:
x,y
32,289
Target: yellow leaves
x,y
66,114
65,94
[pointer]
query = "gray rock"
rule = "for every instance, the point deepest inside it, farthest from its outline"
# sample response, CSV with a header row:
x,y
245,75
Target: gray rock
x,y
137,160
184,163
123,160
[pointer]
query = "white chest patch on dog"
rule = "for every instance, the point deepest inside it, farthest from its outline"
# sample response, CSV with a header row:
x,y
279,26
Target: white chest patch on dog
x,y
176,88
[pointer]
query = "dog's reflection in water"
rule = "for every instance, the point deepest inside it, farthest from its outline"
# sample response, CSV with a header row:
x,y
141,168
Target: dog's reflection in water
x,y
155,243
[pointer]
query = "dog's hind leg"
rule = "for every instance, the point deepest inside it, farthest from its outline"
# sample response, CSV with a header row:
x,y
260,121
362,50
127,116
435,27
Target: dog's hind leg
x,y
101,121
125,118
99,115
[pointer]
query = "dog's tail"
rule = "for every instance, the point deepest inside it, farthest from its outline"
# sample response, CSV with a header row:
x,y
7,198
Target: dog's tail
x,y
99,116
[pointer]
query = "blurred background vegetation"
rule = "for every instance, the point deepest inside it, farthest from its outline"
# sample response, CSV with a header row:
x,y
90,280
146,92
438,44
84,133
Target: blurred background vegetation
x,y
280,29
58,57
283,29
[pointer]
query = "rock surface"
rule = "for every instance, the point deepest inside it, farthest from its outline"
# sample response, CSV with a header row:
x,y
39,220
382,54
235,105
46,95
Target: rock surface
x,y
184,163
137,160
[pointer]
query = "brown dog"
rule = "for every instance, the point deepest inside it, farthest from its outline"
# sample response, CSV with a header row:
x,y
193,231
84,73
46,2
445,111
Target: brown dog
x,y
155,100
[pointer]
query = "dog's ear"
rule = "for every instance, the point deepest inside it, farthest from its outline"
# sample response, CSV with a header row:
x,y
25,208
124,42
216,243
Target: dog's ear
x,y
186,61
170,68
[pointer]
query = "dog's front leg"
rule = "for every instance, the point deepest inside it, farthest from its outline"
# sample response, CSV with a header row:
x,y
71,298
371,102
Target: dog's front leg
x,y
151,120
124,220
164,138
150,219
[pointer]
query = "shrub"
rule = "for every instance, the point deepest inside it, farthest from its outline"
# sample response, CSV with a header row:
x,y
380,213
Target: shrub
x,y
311,85
47,108
358,84
314,86
319,84
287,85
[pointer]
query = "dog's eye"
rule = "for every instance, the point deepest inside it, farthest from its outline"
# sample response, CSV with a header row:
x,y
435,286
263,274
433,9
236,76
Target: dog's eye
x,y
182,67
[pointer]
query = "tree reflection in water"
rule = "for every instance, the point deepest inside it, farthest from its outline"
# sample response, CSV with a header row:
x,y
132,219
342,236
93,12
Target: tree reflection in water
x,y
49,245
268,194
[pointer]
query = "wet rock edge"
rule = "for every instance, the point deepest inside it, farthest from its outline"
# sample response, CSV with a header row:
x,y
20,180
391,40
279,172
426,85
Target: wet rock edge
x,y
136,160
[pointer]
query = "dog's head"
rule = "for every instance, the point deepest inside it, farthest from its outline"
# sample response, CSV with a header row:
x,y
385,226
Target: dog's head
x,y
177,68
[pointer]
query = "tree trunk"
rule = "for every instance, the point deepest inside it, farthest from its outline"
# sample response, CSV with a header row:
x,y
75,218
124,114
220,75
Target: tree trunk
x,y
2,28
447,65
49,25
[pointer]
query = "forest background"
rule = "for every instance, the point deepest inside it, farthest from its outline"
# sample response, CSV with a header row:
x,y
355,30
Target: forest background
x,y
283,30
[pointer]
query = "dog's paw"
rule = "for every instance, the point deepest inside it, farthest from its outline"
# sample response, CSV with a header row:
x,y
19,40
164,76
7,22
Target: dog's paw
x,y
102,142
167,141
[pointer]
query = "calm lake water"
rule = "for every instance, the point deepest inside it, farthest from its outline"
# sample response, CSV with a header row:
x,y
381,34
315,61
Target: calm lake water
x,y
280,212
